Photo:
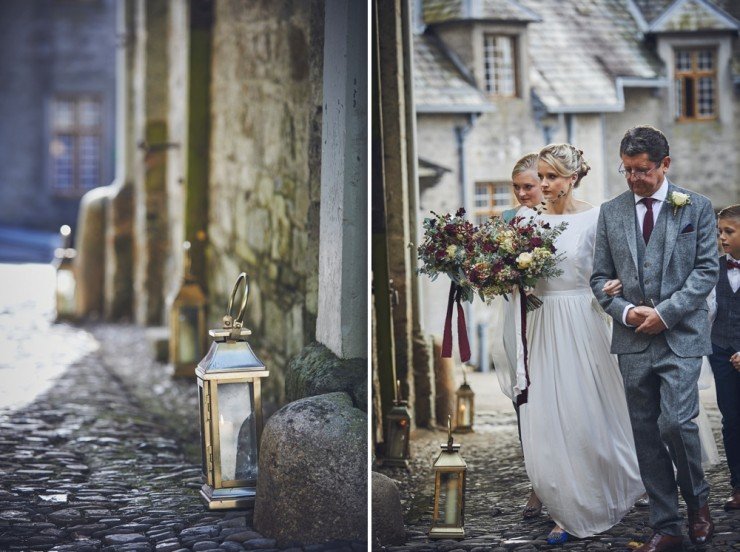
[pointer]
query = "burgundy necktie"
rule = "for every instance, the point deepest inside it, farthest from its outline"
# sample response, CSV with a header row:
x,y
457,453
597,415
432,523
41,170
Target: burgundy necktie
x,y
647,223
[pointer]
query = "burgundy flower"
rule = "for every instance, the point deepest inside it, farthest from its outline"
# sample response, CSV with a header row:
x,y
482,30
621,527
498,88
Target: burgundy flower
x,y
460,212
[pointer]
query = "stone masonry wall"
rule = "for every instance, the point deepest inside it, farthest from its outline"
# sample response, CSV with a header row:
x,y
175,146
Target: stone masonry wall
x,y
265,177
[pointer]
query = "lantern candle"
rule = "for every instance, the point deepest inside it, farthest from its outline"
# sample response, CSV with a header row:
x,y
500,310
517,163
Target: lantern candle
x,y
451,504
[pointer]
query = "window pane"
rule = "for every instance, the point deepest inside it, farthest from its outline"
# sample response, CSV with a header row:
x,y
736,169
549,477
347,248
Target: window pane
x,y
89,161
706,96
62,155
705,60
500,74
63,115
683,61
678,84
89,111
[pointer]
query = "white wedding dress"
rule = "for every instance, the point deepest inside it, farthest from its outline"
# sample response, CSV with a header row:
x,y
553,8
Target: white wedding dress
x,y
576,433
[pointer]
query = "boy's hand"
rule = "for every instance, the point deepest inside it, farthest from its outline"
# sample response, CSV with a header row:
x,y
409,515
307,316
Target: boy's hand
x,y
735,360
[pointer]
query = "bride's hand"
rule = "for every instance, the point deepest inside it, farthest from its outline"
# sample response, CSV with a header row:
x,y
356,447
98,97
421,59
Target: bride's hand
x,y
613,288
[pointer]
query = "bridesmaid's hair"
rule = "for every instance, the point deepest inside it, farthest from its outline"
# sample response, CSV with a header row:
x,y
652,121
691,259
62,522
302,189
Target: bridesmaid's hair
x,y
731,212
526,163
645,139
566,160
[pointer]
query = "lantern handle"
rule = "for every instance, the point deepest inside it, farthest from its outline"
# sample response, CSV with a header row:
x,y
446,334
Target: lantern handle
x,y
239,320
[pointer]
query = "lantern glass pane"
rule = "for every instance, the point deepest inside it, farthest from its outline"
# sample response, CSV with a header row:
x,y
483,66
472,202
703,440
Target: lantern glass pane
x,y
237,429
397,436
201,407
463,411
65,292
448,512
188,345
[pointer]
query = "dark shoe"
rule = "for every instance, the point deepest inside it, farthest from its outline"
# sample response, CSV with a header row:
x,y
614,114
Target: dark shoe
x,y
701,527
733,503
662,543
533,507
532,511
643,501
557,537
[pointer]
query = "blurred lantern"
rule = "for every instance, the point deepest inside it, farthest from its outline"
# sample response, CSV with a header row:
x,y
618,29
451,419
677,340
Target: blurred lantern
x,y
188,338
397,433
230,412
449,491
66,284
465,409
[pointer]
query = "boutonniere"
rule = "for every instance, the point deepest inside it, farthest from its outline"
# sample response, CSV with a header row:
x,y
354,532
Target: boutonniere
x,y
678,200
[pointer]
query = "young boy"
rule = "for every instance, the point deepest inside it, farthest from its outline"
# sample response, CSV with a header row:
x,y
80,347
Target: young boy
x,y
725,357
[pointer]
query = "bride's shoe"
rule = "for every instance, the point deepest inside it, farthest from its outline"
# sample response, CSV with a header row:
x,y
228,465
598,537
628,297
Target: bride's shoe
x,y
557,537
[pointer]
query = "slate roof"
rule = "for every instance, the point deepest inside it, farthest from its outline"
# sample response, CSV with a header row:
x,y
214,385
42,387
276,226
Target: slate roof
x,y
439,86
579,51
438,11
652,9
582,53
693,15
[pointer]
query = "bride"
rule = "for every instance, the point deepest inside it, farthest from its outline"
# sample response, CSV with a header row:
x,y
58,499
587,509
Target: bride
x,y
576,434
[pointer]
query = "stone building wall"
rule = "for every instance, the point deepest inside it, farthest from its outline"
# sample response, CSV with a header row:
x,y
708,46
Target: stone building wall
x,y
266,98
49,48
703,154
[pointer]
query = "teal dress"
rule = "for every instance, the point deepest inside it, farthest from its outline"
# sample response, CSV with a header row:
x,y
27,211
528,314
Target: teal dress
x,y
509,214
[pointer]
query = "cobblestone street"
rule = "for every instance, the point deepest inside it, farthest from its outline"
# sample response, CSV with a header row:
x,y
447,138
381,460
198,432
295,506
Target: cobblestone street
x,y
497,489
108,457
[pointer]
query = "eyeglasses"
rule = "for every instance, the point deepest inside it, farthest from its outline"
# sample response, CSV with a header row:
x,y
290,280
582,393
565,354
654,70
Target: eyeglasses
x,y
637,173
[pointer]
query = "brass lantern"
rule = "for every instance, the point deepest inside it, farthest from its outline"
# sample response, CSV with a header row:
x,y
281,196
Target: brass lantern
x,y
230,412
397,432
188,338
448,519
465,407
66,284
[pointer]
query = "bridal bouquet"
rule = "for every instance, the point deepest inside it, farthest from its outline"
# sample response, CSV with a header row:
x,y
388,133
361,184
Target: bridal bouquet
x,y
447,248
514,255
496,258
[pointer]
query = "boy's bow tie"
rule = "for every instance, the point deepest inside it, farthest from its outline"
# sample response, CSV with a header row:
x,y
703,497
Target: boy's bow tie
x,y
732,264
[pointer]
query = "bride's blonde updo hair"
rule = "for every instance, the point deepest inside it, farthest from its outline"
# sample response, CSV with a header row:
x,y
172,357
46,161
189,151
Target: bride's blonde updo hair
x,y
566,160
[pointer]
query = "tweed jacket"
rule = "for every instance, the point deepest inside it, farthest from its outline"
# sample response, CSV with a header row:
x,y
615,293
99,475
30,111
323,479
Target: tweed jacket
x,y
690,270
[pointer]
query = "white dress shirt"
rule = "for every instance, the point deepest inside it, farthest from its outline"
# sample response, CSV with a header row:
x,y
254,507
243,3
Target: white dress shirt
x,y
734,277
641,209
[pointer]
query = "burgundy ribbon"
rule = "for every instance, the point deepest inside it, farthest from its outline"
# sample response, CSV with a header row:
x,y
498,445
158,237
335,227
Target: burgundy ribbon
x,y
524,395
455,296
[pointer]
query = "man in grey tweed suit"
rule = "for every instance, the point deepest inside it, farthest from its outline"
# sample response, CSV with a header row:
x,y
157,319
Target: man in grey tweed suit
x,y
660,241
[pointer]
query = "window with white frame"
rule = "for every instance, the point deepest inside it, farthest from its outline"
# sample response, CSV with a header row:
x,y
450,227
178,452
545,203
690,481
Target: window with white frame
x,y
499,58
696,83
75,148
491,198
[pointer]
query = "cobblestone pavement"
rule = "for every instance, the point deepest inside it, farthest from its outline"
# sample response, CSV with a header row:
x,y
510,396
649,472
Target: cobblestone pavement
x,y
108,459
497,489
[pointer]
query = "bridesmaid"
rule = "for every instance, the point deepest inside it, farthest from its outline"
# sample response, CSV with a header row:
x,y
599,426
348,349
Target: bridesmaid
x,y
526,187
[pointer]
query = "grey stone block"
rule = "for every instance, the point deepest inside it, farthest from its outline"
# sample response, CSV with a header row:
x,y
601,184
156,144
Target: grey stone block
x,y
387,512
312,484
